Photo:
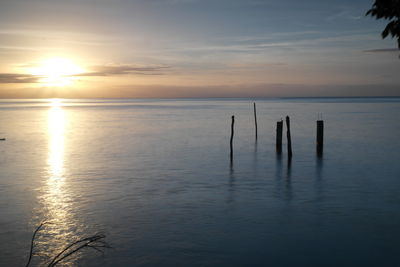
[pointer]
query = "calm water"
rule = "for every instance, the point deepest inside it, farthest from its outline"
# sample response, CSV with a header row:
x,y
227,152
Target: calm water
x,y
154,175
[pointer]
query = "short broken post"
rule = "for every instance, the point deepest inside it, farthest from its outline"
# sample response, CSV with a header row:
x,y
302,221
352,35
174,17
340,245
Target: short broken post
x,y
232,132
320,137
279,130
255,118
289,139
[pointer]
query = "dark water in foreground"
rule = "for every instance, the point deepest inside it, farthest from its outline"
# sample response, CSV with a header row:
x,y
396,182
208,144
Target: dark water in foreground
x,y
154,175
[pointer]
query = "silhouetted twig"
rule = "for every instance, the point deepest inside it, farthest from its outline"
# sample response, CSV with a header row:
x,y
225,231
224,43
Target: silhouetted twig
x,y
32,243
95,242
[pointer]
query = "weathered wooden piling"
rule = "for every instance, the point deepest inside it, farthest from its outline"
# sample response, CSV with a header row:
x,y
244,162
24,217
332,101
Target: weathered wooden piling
x,y
255,119
279,130
232,133
289,139
320,137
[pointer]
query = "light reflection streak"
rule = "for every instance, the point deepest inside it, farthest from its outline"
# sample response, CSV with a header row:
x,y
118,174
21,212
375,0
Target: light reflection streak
x,y
56,126
56,198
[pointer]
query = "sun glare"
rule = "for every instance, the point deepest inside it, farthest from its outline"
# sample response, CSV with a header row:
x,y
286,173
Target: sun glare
x,y
57,72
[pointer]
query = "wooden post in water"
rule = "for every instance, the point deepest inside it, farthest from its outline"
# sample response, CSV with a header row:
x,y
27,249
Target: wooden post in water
x,y
289,139
279,130
255,118
232,132
320,137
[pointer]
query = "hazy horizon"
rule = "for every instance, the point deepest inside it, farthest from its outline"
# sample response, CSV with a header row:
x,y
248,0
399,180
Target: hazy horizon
x,y
200,98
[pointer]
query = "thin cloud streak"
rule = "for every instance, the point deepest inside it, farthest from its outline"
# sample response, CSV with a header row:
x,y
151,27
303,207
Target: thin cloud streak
x,y
252,90
384,50
18,78
259,44
100,71
109,70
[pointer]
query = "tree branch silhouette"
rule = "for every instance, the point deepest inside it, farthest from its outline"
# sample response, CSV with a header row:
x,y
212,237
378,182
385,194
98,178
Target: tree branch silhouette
x,y
389,10
95,242
33,243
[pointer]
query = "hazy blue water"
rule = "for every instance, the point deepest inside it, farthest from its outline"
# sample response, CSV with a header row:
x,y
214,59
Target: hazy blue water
x,y
154,175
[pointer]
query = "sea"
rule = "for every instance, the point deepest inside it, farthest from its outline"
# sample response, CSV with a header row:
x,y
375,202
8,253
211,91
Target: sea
x,y
155,179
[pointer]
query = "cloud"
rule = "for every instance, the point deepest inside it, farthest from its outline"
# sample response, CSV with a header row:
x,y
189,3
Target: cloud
x,y
124,69
172,2
386,50
100,70
39,40
279,42
18,78
255,65
250,91
345,14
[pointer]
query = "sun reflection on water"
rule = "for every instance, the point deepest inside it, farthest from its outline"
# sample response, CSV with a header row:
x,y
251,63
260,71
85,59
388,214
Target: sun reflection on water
x,y
56,127
56,195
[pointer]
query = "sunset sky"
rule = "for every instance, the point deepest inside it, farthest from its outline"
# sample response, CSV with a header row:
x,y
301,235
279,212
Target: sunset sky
x,y
194,48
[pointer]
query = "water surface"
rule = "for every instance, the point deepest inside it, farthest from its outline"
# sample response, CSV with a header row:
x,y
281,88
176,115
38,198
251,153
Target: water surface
x,y
154,175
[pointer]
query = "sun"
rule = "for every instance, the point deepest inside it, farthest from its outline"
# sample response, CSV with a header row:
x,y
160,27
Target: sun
x,y
56,72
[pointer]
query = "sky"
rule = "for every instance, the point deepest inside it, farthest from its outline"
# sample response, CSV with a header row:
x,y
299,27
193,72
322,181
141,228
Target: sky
x,y
194,48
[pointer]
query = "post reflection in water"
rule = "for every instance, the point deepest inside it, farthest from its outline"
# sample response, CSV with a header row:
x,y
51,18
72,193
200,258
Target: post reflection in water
x,y
231,192
289,194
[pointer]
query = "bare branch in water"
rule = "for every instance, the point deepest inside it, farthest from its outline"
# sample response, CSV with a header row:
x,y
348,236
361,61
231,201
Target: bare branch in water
x,y
33,241
95,242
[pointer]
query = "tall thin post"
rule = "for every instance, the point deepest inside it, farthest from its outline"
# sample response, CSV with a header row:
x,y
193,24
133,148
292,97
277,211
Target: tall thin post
x,y
232,132
255,118
320,137
289,139
279,130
